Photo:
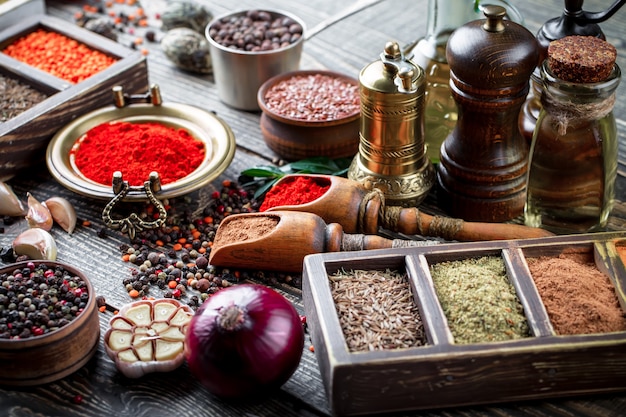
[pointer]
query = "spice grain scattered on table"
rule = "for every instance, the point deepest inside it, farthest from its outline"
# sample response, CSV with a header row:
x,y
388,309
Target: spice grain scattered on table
x,y
173,260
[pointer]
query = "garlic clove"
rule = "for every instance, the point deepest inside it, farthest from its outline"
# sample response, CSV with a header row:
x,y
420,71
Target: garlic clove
x,y
38,214
181,318
128,356
140,315
36,243
163,311
10,205
62,212
166,350
172,334
144,352
120,323
120,340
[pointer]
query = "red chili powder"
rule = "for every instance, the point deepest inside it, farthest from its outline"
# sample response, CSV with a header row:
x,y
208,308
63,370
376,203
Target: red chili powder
x,y
295,190
58,55
137,149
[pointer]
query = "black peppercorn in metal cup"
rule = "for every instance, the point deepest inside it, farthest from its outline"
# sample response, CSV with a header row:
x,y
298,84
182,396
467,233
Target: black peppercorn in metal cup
x,y
249,47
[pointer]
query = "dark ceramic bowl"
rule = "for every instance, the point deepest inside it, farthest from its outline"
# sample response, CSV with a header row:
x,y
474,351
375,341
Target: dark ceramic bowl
x,y
296,132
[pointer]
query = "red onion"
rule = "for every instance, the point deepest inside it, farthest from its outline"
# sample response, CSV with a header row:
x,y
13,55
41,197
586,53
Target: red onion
x,y
243,341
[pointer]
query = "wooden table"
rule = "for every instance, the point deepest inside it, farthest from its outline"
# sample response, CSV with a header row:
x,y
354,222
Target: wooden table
x,y
346,47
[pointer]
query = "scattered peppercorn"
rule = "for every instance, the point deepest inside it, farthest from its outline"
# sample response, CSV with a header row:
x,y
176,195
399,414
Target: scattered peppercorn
x,y
185,273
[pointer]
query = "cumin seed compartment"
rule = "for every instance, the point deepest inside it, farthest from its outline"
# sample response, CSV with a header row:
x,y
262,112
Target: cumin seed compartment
x,y
24,138
444,374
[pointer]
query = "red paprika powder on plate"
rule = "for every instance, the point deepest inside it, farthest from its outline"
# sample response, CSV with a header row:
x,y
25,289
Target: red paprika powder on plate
x,y
137,149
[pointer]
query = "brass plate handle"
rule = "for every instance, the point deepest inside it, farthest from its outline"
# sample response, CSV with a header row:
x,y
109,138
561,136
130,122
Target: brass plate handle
x,y
133,223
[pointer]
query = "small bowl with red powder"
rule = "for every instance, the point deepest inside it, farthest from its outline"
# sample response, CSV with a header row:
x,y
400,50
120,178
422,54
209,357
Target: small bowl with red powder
x,y
310,113
186,146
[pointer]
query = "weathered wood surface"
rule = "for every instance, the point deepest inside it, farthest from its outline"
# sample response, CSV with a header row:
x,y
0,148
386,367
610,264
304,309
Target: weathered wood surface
x,y
345,47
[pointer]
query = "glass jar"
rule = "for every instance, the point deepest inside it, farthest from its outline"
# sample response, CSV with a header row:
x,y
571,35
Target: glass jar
x,y
445,16
573,155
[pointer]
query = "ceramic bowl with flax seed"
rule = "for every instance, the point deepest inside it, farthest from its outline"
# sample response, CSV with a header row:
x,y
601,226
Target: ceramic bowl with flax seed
x,y
49,325
309,113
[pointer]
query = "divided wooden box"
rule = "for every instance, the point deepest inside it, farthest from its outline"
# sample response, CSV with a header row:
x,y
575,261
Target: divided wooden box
x,y
24,138
442,374
12,11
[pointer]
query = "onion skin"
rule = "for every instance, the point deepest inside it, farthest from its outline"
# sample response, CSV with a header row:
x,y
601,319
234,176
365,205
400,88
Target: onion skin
x,y
257,354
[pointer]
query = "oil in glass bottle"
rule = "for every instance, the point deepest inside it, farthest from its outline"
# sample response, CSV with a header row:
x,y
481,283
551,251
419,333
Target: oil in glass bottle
x,y
444,16
573,153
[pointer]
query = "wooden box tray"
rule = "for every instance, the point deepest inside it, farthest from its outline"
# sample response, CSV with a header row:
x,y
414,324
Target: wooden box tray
x,y
444,374
12,11
24,138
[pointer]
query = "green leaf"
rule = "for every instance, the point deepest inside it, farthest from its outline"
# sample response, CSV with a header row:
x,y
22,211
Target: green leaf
x,y
265,176
263,172
264,188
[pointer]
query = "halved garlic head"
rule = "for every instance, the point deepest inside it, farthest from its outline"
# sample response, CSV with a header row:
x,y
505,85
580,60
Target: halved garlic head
x,y
148,336
62,212
35,243
10,205
38,214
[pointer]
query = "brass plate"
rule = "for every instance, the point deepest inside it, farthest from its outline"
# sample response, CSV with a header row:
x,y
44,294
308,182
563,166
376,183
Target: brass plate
x,y
217,136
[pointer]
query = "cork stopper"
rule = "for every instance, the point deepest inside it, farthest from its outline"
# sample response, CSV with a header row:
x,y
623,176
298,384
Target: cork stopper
x,y
581,59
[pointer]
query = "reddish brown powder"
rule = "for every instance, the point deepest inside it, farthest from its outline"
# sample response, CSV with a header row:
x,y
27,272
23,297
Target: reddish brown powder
x,y
240,229
578,297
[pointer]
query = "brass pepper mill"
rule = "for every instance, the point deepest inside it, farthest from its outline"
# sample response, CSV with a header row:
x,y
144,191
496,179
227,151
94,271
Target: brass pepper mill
x,y
391,154
484,161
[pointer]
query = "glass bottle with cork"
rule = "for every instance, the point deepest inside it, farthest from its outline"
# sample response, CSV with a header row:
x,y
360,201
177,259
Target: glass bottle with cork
x,y
573,21
573,155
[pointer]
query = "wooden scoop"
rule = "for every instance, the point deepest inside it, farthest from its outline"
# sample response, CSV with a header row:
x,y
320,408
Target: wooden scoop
x,y
280,240
357,209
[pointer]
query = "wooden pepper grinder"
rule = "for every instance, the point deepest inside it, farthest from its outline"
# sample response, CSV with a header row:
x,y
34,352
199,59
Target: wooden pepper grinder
x,y
484,161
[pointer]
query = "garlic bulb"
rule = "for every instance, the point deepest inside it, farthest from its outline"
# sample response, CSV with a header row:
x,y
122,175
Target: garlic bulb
x,y
10,205
62,212
38,214
148,336
36,243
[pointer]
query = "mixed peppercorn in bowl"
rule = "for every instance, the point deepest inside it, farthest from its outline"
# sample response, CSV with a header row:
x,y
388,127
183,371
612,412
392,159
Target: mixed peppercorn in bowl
x,y
49,325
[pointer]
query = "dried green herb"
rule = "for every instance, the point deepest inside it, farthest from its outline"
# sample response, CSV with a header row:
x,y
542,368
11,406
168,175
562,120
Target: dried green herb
x,y
478,300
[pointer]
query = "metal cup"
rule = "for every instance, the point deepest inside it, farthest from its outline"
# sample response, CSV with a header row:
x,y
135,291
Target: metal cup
x,y
240,74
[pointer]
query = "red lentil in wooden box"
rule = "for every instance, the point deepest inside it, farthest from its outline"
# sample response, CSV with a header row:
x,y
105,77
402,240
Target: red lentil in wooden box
x,y
485,322
24,135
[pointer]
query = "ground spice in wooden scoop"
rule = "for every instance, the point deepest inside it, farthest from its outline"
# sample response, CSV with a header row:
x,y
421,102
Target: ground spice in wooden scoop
x,y
359,210
279,241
